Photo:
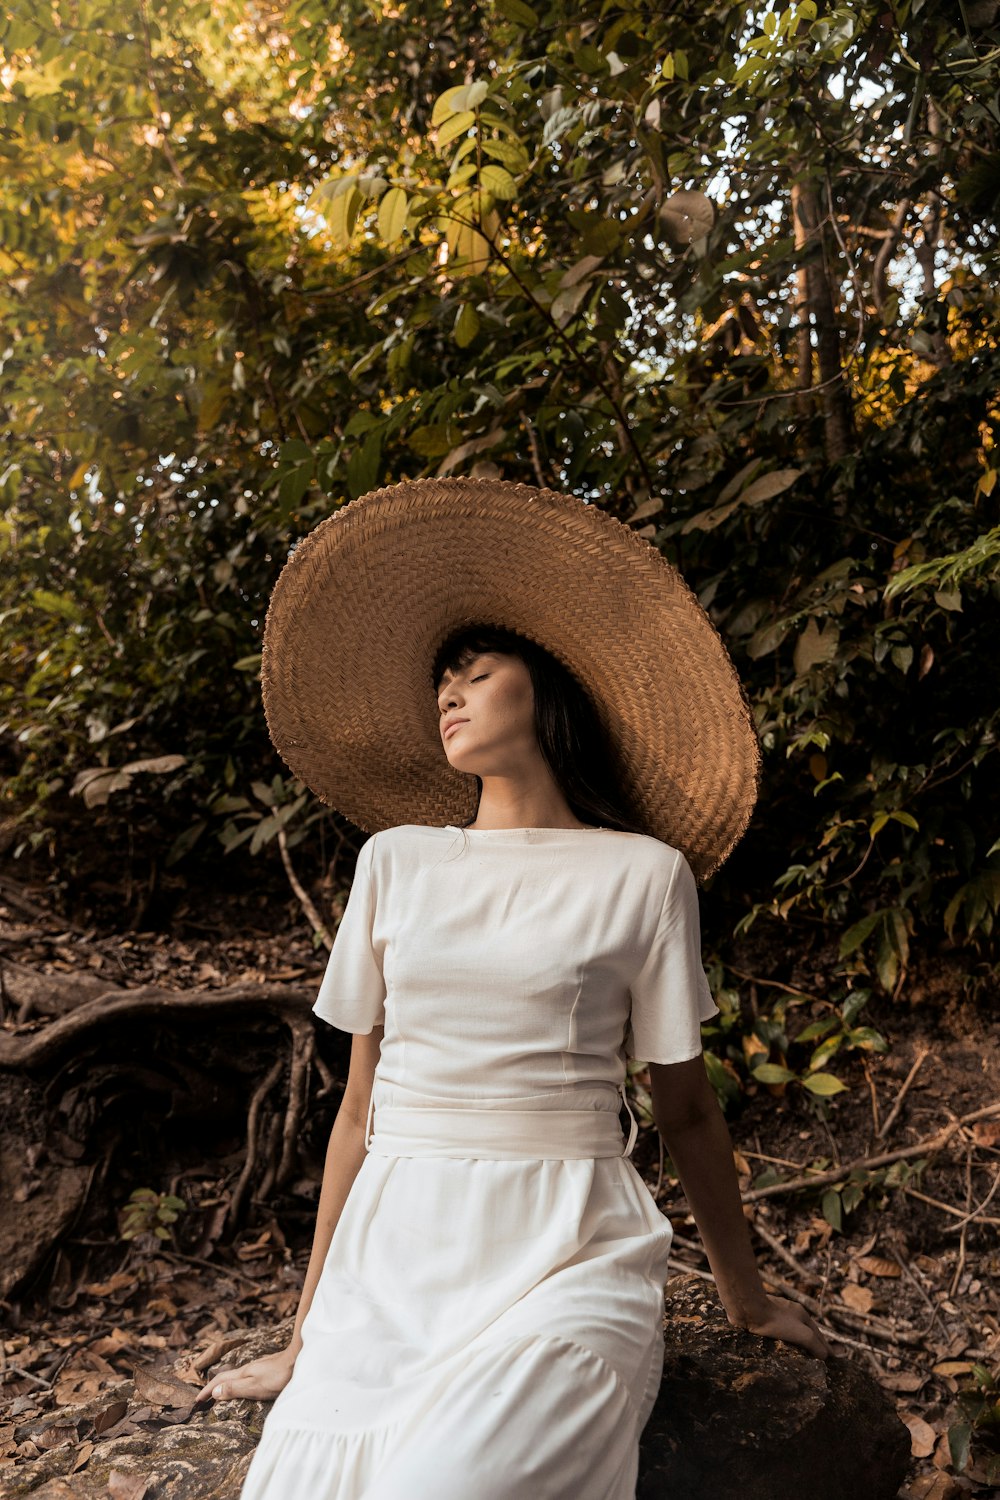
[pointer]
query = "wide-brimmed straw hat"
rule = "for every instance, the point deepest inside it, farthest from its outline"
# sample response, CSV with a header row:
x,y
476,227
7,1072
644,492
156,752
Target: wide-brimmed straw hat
x,y
364,601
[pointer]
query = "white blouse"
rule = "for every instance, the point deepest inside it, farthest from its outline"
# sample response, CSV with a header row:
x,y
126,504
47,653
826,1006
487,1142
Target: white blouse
x,y
542,956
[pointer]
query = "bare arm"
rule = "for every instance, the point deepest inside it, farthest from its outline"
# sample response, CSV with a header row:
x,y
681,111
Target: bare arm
x,y
695,1134
262,1379
344,1155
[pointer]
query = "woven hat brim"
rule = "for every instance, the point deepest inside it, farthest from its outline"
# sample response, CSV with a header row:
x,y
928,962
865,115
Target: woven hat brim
x,y
363,602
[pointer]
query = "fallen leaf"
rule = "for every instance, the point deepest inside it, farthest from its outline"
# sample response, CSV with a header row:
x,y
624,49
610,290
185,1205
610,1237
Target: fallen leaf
x,y
933,1487
953,1367
986,1132
56,1435
114,1283
902,1380
83,1454
923,1438
878,1265
112,1342
857,1297
160,1388
110,1416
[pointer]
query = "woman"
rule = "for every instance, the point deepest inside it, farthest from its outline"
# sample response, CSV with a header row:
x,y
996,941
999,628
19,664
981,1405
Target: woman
x,y
482,1309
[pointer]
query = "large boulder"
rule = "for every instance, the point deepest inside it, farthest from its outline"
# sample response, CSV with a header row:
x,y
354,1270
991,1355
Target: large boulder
x,y
741,1415
737,1415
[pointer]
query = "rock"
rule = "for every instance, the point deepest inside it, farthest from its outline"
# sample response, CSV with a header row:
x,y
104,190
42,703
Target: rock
x,y
42,1199
741,1415
737,1415
156,1451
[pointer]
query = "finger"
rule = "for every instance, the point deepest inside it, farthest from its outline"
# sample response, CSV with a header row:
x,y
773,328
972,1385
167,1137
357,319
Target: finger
x,y
217,1387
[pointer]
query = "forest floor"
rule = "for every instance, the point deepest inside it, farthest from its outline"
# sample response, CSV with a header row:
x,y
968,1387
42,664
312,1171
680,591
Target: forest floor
x,y
908,1284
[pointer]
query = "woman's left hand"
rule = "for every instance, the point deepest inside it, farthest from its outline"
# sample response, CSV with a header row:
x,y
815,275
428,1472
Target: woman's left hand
x,y
788,1321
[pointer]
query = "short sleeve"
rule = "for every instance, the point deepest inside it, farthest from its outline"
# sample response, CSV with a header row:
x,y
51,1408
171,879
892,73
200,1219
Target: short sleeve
x,y
671,995
352,992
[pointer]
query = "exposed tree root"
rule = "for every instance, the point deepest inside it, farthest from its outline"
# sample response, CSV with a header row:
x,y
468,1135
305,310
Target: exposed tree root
x,y
290,1003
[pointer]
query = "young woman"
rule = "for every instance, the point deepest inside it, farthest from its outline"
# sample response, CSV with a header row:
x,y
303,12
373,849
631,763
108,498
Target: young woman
x,y
482,1309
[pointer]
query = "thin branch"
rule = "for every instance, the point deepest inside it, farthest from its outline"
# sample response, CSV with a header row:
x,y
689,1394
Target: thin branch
x,y
866,1163
893,1114
305,901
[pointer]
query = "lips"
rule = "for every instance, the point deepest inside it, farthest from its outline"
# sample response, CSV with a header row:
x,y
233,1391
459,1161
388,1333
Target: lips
x,y
457,724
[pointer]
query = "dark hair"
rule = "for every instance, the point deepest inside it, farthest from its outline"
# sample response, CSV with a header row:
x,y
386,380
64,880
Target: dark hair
x,y
570,734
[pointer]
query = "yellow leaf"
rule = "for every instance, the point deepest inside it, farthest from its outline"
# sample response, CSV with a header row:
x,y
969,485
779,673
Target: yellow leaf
x,y
392,215
457,125
498,181
471,253
448,103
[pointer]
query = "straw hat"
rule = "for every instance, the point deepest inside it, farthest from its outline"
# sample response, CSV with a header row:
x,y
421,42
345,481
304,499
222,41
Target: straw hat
x,y
364,601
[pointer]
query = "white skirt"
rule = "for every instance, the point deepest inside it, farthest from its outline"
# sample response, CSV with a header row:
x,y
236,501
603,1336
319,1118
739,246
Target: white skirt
x,y
486,1322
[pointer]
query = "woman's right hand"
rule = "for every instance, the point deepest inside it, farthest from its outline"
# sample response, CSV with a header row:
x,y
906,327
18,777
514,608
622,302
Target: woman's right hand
x,y
260,1380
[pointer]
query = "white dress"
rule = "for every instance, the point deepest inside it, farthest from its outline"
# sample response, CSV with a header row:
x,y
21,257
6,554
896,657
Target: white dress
x,y
488,1321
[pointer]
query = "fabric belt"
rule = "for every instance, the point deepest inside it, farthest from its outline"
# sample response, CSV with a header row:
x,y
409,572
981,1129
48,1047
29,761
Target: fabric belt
x,y
498,1134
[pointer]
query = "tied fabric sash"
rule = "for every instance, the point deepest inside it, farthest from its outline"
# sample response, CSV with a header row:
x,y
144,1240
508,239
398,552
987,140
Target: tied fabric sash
x,y
499,1133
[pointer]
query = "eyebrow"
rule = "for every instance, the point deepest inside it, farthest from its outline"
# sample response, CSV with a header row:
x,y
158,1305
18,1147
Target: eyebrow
x,y
447,674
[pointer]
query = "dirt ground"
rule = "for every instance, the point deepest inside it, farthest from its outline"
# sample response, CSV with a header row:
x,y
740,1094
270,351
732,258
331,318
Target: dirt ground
x,y
908,1283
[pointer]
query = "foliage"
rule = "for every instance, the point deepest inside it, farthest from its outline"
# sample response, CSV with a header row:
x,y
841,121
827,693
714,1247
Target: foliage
x,y
150,1213
978,1427
743,1049
728,272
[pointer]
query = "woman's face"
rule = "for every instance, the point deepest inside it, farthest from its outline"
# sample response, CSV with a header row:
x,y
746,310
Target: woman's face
x,y
493,697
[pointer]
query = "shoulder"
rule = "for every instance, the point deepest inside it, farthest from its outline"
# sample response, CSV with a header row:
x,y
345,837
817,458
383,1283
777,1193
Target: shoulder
x,y
654,856
384,843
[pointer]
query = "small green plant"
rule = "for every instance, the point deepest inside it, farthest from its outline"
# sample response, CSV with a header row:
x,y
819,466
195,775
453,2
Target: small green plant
x,y
765,1051
149,1212
978,1427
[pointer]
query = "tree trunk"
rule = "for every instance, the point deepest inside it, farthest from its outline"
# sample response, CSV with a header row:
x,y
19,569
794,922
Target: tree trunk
x,y
818,311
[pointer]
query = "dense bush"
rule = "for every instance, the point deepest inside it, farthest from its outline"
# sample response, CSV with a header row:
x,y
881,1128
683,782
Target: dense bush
x,y
726,273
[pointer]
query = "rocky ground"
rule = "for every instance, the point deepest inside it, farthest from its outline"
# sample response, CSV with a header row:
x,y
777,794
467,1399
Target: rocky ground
x,y
905,1287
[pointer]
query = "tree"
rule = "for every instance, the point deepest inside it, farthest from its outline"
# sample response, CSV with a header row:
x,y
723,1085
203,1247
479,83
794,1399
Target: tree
x,y
724,270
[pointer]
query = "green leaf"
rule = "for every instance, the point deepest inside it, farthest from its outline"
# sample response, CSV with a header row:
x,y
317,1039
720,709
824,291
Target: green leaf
x,y
186,841
824,1052
831,1207
959,1441
823,1084
466,325
771,1073
600,236
868,1039
518,12
364,464
859,933
819,1028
